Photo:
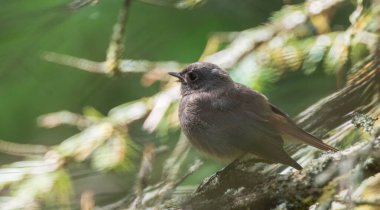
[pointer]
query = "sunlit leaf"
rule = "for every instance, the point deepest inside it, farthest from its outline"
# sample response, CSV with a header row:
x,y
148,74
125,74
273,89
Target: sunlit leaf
x,y
81,145
128,112
110,154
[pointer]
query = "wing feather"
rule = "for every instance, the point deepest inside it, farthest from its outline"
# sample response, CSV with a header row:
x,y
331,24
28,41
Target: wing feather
x,y
245,125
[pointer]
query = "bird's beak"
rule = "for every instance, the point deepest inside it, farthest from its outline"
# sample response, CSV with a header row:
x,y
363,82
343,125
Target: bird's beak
x,y
176,74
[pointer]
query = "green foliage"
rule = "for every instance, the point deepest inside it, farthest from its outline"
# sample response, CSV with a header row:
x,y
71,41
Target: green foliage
x,y
39,189
91,112
296,41
116,153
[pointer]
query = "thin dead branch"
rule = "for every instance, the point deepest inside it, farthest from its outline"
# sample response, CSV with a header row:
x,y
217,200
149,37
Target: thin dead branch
x,y
125,66
22,149
116,46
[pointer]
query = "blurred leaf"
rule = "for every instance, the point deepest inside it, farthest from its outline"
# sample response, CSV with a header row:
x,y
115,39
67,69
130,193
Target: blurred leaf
x,y
337,56
55,119
367,195
259,77
128,112
317,52
53,188
77,4
91,112
11,175
61,192
358,51
185,4
111,154
19,171
81,145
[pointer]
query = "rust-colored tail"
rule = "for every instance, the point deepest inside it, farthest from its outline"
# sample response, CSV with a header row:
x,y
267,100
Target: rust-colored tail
x,y
286,126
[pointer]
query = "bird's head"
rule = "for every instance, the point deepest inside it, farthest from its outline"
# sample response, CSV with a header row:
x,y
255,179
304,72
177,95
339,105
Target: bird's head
x,y
202,77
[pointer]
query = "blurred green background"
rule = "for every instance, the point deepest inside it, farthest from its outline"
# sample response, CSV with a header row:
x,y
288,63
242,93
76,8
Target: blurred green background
x,y
30,86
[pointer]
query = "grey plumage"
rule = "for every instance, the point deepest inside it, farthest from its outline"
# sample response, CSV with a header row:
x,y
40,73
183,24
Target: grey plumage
x,y
224,119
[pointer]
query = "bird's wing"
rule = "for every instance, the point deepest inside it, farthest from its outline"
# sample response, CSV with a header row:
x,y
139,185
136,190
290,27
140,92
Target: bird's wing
x,y
286,126
245,125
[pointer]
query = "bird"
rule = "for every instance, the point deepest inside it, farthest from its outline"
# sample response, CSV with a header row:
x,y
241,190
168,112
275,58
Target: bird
x,y
225,120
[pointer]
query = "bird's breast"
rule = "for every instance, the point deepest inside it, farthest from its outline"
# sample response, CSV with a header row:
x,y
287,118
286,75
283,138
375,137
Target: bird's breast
x,y
196,116
190,115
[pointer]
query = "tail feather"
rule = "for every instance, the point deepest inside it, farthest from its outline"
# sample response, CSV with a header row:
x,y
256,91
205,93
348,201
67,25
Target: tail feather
x,y
280,156
284,125
291,162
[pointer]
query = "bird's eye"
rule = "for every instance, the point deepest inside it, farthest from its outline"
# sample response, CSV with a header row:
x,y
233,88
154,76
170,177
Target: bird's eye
x,y
192,76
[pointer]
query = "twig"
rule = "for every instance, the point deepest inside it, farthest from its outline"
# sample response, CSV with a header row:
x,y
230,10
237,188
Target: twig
x,y
360,201
77,4
173,163
116,46
367,201
127,66
87,200
55,119
193,168
146,167
249,40
243,43
162,102
22,149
